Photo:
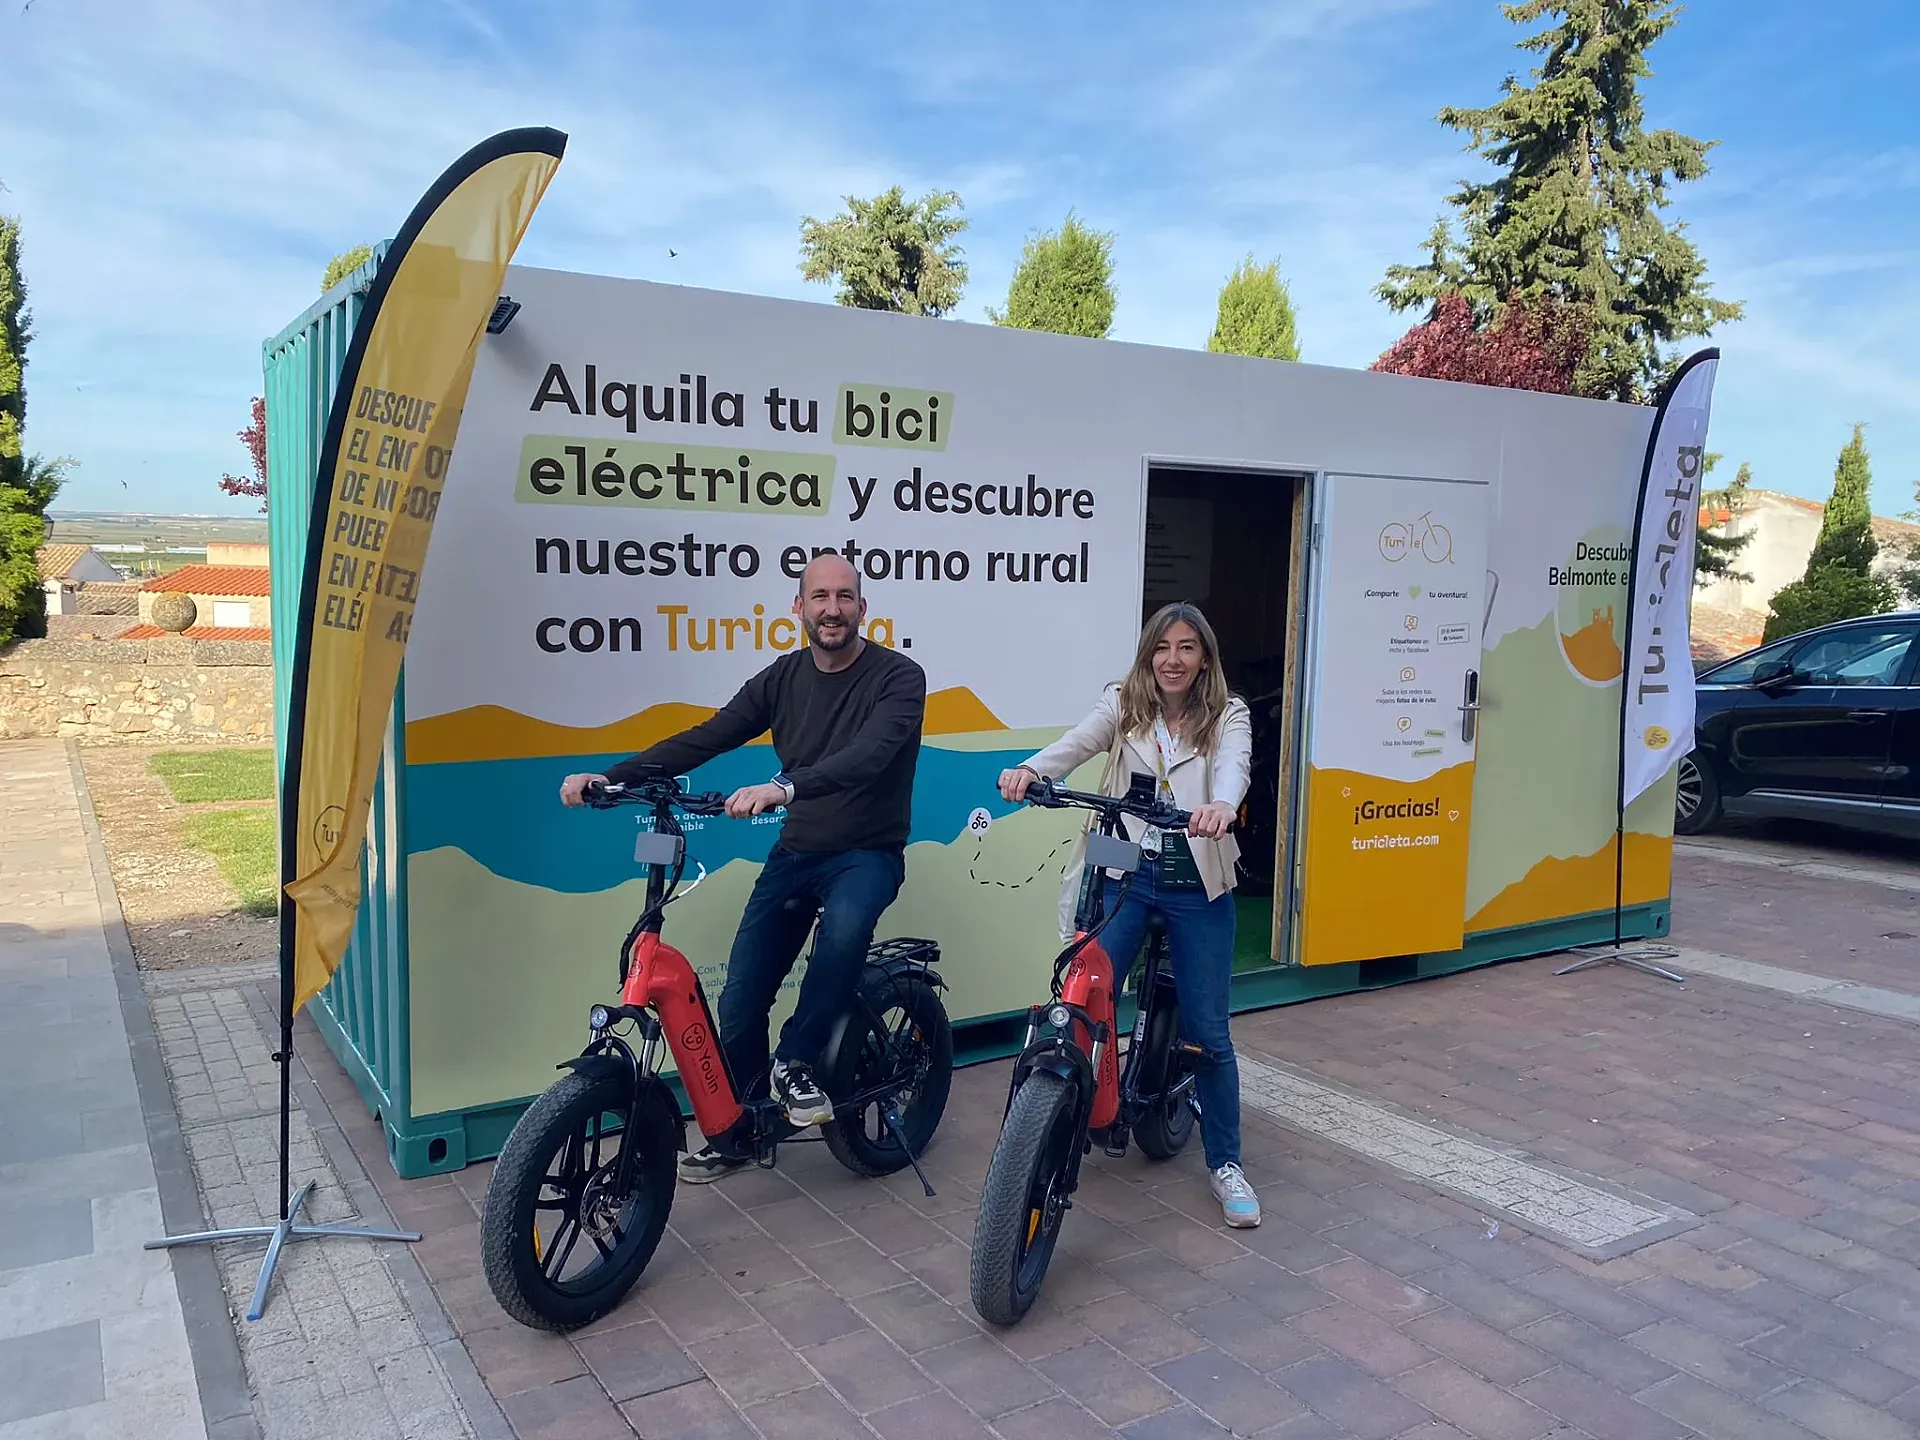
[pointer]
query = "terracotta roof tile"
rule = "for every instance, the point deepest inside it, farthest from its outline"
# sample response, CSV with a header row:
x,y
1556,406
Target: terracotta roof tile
x,y
200,632
213,580
57,561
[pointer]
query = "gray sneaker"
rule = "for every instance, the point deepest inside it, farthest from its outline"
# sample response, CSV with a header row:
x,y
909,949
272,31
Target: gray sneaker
x,y
805,1103
1237,1201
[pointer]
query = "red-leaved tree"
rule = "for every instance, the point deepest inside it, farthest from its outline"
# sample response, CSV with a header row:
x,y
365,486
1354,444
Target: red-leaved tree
x,y
254,437
1536,345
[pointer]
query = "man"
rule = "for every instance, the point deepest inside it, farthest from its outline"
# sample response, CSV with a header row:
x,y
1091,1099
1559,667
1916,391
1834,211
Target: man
x,y
846,718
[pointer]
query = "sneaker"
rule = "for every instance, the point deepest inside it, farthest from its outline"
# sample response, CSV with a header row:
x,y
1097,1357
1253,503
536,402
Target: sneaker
x,y
707,1165
1237,1201
793,1087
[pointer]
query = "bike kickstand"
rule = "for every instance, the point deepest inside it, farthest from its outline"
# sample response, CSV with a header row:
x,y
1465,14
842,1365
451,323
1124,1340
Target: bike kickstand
x,y
892,1117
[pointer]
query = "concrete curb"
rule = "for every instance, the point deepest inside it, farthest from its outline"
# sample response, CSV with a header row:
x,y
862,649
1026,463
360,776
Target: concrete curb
x,y
226,1397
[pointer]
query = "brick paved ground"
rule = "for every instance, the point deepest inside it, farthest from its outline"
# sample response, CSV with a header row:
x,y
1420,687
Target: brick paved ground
x,y
806,1302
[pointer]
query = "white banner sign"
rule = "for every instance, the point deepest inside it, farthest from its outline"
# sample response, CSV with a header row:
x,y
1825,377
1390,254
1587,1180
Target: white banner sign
x,y
1659,675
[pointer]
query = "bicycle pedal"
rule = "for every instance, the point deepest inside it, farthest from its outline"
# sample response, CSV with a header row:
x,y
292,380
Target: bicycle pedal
x,y
1114,1143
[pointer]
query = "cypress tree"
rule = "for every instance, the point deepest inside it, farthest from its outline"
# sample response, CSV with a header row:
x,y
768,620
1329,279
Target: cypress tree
x,y
1256,314
1064,283
1839,582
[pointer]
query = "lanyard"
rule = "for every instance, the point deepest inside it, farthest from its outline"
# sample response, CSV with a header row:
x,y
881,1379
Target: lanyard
x,y
1164,754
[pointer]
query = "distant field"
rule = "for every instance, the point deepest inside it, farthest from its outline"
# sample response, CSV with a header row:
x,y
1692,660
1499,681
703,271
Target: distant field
x,y
155,532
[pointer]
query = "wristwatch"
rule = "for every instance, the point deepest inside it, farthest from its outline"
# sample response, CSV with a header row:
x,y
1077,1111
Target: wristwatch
x,y
785,784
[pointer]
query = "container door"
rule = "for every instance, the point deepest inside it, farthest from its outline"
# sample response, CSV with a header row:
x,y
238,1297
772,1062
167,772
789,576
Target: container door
x,y
1400,603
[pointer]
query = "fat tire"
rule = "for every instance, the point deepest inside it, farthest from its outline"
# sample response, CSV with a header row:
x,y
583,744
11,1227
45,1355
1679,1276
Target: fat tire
x,y
1037,1108
1707,814
1163,1131
506,1228
850,1145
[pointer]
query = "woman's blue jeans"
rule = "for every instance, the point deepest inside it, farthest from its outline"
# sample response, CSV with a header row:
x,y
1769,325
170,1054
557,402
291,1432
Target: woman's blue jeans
x,y
1200,953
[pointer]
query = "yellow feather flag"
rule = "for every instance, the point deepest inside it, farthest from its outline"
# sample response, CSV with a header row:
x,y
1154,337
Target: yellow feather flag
x,y
384,460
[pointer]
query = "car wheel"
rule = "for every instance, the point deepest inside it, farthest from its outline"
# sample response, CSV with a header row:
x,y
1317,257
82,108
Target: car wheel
x,y
1696,806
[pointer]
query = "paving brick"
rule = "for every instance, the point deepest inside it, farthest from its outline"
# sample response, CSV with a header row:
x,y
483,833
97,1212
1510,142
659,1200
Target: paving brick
x,y
799,1223
1601,1356
1480,1348
853,1268
1164,1282
1297,1249
805,1312
1227,1392
1615,1311
1716,1414
1854,1374
1828,1413
698,1308
1267,1287
1707,1357
637,1361
1388,1249
1114,1388
750,1264
1182,1422
511,1359
1138,1330
1482,1410
984,1377
1501,1306
1800,1271
575,1409
937,1416
804,1415
894,1228
751,1365
1595,1409
946,1270
1249,1335
1044,1330
914,1317
1350,1398
1375,1290
868,1371
1834,1323
1052,1420
1366,1340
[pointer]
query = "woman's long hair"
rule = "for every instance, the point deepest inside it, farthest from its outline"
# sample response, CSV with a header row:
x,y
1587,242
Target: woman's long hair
x,y
1140,691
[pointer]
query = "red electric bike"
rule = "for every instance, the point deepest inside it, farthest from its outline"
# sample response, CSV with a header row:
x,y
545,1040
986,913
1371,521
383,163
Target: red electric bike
x,y
1068,1088
593,1157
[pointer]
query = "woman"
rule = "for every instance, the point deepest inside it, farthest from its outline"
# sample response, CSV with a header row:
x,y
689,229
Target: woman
x,y
1173,718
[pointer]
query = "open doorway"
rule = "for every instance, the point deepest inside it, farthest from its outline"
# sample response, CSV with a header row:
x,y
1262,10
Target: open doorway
x,y
1231,542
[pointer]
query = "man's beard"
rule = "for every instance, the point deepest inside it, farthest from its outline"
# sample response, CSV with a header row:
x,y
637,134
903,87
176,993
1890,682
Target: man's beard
x,y
839,641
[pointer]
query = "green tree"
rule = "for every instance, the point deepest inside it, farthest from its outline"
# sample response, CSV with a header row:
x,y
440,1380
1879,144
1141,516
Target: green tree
x,y
1839,582
890,253
1256,315
1714,553
1574,212
343,265
1064,283
27,484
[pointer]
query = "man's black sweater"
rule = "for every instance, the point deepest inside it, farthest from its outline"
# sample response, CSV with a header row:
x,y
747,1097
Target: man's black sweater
x,y
847,740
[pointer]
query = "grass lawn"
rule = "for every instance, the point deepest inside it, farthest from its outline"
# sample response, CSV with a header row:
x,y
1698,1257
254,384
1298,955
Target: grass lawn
x,y
242,843
195,776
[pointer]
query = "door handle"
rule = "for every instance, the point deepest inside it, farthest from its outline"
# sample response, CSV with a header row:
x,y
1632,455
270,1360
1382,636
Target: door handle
x,y
1867,714
1470,708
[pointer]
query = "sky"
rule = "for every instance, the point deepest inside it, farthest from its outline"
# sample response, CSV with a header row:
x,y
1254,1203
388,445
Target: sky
x,y
183,173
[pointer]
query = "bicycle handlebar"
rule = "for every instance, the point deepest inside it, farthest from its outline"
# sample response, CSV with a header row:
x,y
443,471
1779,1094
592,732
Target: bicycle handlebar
x,y
606,795
1051,795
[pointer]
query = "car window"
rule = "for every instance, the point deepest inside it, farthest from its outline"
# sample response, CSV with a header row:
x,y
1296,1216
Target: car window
x,y
1869,655
1740,671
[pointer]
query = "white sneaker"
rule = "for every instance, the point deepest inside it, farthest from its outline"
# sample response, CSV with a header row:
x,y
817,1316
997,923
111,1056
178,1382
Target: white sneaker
x,y
794,1088
1237,1201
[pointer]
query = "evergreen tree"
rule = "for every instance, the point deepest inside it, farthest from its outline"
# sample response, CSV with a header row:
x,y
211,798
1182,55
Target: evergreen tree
x,y
1574,214
343,265
1064,283
1714,553
1839,582
1256,315
27,484
890,253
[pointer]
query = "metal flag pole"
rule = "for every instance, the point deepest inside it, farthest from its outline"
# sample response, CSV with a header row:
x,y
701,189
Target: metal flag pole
x,y
1641,955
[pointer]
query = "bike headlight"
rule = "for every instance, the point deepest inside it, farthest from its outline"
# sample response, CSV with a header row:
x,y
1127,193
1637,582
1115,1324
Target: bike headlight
x,y
1059,1017
599,1017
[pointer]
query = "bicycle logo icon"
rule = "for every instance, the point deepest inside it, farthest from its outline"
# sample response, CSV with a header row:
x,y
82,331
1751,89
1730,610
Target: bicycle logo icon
x,y
1426,535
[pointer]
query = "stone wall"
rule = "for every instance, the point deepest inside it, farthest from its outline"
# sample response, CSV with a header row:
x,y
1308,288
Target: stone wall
x,y
137,691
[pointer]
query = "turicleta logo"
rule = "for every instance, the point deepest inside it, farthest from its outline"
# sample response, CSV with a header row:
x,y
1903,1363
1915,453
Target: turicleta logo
x,y
1370,810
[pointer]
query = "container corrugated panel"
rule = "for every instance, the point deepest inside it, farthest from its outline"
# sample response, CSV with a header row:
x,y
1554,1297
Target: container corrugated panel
x,y
363,1011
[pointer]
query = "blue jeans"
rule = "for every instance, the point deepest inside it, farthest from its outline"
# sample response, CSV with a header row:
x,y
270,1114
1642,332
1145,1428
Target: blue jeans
x,y
1200,954
852,887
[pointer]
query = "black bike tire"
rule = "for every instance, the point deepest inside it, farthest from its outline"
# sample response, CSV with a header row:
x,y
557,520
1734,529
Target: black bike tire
x,y
995,1272
851,1147
506,1225
1163,1132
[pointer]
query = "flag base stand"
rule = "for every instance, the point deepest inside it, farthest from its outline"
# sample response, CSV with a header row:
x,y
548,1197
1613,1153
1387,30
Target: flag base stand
x,y
285,1233
1640,957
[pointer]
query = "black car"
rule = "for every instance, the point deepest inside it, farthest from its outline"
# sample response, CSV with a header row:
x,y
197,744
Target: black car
x,y
1824,725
